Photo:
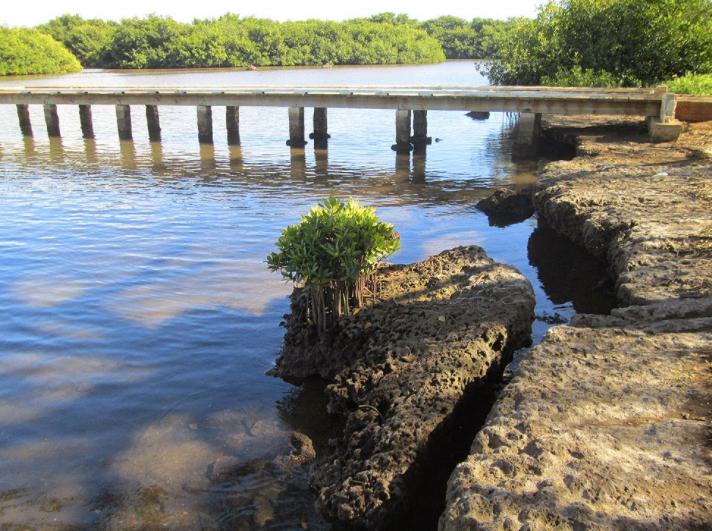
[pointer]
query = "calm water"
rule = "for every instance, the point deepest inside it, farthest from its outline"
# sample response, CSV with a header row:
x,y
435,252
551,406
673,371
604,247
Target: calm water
x,y
138,317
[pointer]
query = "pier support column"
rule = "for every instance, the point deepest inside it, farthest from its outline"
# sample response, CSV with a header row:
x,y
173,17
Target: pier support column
x,y
123,122
205,124
85,121
665,128
23,115
51,119
154,123
232,119
402,131
296,127
320,134
526,142
420,137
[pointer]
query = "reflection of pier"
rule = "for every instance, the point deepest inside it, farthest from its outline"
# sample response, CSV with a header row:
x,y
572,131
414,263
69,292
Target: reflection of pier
x,y
410,103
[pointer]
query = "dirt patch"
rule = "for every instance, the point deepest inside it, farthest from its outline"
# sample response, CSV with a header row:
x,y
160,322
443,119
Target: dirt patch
x,y
440,330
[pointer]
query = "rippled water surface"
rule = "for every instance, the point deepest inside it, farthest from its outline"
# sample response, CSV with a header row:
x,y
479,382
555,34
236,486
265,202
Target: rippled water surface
x,y
139,319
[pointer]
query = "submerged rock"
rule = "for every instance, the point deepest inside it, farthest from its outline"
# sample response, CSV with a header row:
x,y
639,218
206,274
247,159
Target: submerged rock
x,y
506,206
437,330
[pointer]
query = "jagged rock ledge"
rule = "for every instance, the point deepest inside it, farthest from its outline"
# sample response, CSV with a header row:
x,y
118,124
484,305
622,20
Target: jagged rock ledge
x,y
605,424
440,330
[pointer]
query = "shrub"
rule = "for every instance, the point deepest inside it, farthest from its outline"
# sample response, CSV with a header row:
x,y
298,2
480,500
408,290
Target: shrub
x,y
637,42
26,51
333,252
578,77
697,84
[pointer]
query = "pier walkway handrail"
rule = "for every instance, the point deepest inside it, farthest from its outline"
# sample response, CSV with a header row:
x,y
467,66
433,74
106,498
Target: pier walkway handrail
x,y
655,104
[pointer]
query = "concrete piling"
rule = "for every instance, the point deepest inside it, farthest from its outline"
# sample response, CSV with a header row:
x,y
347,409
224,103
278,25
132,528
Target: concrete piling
x,y
420,137
526,141
205,124
123,122
154,123
23,115
51,120
320,134
232,119
296,127
403,125
85,121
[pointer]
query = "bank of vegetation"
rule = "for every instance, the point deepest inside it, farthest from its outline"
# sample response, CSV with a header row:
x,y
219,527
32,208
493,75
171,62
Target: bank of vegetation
x,y
604,43
232,41
27,51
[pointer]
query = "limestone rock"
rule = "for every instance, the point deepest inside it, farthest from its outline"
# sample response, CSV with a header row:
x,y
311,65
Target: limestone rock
x,y
401,366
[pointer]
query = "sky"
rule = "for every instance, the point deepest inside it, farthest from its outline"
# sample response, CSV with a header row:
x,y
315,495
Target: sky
x,y
33,12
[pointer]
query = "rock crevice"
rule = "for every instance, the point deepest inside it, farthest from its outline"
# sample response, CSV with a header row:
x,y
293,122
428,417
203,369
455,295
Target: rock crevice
x,y
439,330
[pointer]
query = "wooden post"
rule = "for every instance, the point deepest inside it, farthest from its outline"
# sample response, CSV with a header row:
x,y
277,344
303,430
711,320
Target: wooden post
x,y
23,114
526,142
123,122
85,121
154,123
232,120
296,127
402,131
205,124
51,119
320,134
420,137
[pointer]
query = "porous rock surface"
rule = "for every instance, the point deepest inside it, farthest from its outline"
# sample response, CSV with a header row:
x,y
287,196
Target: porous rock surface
x,y
606,423
601,428
401,366
646,208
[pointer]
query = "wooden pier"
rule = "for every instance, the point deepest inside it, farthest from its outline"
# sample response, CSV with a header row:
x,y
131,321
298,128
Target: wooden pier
x,y
410,104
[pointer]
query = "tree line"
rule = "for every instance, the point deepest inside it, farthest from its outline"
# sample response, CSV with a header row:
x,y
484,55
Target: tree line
x,y
570,42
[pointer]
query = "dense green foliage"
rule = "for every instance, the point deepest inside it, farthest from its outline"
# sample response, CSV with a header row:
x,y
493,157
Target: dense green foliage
x,y
159,42
27,51
612,42
332,252
85,38
697,84
461,39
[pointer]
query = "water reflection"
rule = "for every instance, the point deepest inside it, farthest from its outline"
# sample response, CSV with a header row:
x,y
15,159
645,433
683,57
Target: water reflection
x,y
139,317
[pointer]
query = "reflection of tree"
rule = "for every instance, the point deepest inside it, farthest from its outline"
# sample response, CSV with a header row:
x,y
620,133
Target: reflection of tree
x,y
568,273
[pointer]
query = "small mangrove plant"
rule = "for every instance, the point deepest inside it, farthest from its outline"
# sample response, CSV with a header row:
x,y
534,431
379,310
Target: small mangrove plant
x,y
333,253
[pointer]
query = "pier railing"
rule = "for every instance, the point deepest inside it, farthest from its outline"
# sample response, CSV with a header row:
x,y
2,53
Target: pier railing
x,y
411,104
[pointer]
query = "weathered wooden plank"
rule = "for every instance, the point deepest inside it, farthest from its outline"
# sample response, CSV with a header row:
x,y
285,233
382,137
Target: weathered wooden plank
x,y
694,108
524,99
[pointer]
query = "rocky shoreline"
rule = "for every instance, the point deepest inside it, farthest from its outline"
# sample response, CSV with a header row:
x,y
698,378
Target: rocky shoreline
x,y
439,333
606,423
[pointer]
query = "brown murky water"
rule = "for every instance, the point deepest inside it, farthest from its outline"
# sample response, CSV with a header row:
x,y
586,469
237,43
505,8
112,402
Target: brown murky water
x,y
138,317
